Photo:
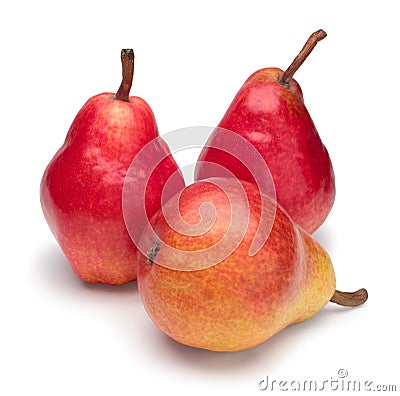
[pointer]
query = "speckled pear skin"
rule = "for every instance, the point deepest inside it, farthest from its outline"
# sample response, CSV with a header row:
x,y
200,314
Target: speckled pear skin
x,y
81,189
242,301
275,120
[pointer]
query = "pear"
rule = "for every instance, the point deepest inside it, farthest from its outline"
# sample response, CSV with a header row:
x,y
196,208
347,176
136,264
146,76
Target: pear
x,y
81,189
270,113
238,300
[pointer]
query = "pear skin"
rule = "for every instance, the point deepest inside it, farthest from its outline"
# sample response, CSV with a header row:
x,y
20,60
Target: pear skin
x,y
242,300
320,282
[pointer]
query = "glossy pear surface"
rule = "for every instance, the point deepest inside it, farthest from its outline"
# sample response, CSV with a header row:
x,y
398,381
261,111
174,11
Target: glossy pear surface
x,y
273,117
81,189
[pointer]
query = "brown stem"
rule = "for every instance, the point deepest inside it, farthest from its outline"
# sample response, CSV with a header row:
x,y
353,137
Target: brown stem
x,y
127,59
302,56
350,299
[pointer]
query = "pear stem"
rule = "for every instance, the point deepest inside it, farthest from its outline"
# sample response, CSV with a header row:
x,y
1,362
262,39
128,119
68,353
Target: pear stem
x,y
350,299
127,59
301,57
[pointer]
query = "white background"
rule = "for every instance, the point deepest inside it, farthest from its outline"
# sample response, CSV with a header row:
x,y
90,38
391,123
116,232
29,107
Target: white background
x,y
60,336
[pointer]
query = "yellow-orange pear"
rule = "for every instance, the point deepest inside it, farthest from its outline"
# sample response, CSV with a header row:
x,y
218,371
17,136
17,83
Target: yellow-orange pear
x,y
205,283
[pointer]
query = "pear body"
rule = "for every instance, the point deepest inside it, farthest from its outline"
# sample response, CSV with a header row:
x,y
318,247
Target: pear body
x,y
274,119
242,300
81,189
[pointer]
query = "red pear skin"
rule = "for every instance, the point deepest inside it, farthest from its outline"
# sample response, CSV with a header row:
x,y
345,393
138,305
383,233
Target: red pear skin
x,y
81,189
241,301
272,116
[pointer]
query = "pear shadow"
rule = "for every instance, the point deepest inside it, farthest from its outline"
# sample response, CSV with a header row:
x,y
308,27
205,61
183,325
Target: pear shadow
x,y
335,309
268,355
53,271
325,236
114,289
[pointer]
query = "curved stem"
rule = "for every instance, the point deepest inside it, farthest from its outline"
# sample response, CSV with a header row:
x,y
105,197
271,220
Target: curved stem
x,y
127,59
302,56
350,299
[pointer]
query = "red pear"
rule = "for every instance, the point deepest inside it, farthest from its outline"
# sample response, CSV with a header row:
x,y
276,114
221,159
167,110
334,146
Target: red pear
x,y
81,189
269,112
